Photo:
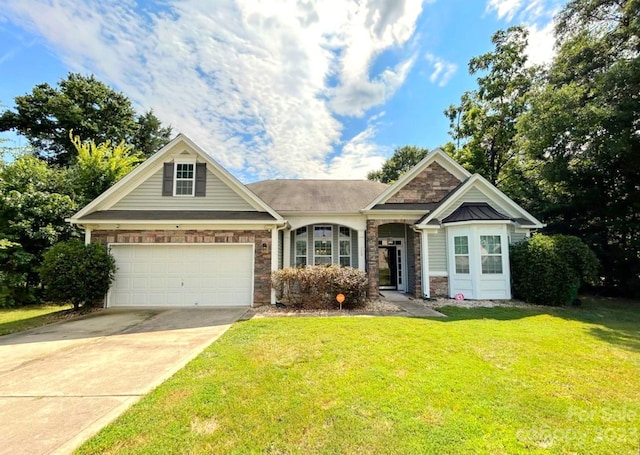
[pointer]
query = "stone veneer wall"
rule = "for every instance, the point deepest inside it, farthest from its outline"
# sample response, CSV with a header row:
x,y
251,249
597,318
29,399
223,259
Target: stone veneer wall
x,y
439,286
262,263
431,185
372,257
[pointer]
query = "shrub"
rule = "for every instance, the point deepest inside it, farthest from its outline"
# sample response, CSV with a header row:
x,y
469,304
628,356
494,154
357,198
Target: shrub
x,y
77,273
317,286
14,264
549,270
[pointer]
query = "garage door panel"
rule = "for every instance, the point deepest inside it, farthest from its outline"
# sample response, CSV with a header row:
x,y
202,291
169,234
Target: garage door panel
x,y
182,275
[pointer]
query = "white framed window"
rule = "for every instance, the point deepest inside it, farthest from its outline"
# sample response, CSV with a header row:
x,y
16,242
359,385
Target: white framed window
x,y
344,239
491,254
322,245
461,253
184,180
301,247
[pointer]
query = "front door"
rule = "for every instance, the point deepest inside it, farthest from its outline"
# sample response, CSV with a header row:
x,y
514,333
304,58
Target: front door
x,y
387,267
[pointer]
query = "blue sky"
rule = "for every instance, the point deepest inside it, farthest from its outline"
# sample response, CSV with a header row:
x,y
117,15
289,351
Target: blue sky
x,y
273,89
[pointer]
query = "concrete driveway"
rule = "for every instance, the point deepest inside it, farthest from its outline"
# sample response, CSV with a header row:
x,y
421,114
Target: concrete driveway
x,y
60,384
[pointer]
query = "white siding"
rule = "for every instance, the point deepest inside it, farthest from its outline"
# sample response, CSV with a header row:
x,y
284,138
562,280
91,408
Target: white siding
x,y
438,252
515,237
148,196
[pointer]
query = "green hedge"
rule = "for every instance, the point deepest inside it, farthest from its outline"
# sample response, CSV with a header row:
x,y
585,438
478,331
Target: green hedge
x,y
549,270
317,286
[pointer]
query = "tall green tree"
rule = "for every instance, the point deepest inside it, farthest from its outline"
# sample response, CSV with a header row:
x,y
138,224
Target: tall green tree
x,y
483,125
403,159
150,135
92,109
35,199
583,129
98,167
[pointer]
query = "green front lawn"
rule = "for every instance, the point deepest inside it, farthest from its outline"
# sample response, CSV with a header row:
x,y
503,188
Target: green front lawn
x,y
492,381
19,319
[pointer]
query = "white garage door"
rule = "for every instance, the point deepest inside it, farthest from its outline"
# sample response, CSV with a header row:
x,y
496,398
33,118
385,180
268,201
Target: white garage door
x,y
182,275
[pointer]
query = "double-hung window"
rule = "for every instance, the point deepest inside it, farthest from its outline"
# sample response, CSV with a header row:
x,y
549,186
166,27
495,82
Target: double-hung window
x,y
491,254
184,179
301,247
322,245
461,253
345,246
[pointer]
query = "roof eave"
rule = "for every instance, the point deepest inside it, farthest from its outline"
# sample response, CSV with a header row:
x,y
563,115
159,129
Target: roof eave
x,y
317,212
80,221
460,223
394,212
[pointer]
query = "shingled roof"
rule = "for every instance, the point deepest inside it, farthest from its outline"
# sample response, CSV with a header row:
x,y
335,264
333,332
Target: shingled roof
x,y
317,195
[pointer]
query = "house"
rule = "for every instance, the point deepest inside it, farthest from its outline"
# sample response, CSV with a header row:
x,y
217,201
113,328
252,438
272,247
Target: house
x,y
185,232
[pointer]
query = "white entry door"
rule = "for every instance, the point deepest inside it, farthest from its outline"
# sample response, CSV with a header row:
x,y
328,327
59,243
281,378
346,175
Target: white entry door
x,y
182,275
479,261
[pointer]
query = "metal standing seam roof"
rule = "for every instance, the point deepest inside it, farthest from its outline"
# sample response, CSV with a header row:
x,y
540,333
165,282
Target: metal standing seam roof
x,y
474,211
317,195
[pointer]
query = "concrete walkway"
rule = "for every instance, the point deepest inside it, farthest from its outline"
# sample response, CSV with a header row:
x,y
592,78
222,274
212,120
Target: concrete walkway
x,y
411,306
61,383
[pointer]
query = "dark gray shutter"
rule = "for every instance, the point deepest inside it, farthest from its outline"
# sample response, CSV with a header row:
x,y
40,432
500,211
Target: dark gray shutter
x,y
167,180
201,179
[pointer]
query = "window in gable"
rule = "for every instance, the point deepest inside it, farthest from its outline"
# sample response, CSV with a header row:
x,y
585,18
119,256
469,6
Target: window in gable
x,y
184,181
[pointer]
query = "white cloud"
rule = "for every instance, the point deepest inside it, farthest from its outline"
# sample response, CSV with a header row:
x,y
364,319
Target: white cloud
x,y
370,28
541,41
504,9
537,17
256,83
359,156
355,97
443,70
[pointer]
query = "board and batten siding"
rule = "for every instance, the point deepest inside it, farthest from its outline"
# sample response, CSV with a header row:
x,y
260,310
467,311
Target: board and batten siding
x,y
475,195
437,247
148,196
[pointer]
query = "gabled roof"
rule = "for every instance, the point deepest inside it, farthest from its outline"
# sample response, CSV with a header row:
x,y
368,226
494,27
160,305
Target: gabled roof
x,y
525,219
474,211
107,199
326,196
437,156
